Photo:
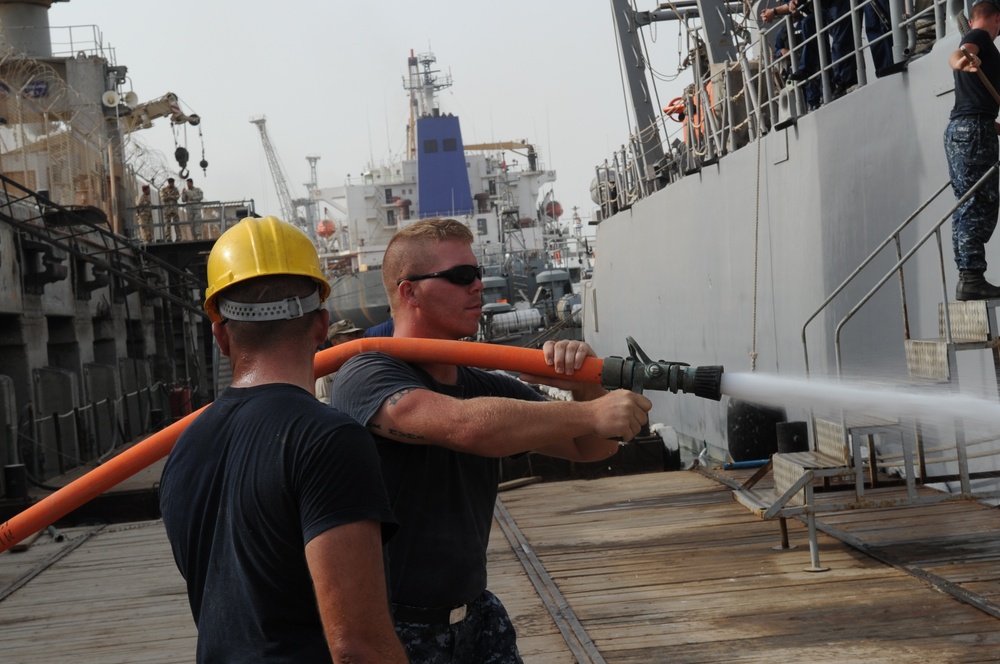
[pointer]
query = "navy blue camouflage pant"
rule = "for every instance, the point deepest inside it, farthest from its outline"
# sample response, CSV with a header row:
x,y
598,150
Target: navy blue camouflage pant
x,y
970,143
486,636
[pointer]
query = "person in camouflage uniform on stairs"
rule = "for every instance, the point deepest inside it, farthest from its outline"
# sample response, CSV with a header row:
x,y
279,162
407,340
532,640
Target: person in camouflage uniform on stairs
x,y
970,143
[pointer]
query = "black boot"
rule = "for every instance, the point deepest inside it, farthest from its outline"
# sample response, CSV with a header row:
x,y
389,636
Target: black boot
x,y
972,285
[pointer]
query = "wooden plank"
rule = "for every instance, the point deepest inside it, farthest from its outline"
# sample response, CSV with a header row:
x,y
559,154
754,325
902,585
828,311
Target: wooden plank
x,y
667,573
118,597
538,637
659,567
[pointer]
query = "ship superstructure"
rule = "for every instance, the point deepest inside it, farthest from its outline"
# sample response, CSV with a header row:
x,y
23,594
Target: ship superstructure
x,y
497,189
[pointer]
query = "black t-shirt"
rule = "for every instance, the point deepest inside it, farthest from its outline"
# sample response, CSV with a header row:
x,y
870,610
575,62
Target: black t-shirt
x,y
971,96
253,479
442,499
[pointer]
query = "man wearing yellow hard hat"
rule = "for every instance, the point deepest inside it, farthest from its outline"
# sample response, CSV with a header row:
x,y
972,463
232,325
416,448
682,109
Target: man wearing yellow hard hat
x,y
272,501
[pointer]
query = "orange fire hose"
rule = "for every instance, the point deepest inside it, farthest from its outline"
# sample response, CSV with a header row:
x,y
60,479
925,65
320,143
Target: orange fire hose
x,y
143,454
430,351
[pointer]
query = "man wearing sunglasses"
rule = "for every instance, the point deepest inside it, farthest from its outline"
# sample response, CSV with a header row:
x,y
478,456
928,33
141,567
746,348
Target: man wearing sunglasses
x,y
440,431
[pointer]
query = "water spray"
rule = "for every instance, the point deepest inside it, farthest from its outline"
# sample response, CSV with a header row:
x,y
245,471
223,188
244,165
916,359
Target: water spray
x,y
936,405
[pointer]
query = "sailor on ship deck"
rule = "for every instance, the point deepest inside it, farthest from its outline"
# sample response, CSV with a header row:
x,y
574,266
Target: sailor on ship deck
x,y
440,431
970,144
273,503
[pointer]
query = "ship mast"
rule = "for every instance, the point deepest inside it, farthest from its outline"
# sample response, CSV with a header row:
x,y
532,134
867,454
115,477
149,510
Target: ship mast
x,y
423,83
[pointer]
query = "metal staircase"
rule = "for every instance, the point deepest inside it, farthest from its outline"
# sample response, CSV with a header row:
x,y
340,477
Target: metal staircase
x,y
850,456
49,233
83,232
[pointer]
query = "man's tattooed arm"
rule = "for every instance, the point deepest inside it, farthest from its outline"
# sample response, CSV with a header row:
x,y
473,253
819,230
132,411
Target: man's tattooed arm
x,y
392,401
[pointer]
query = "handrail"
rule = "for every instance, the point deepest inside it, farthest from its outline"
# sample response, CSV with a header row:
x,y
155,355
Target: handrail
x,y
32,206
863,265
712,129
897,267
934,231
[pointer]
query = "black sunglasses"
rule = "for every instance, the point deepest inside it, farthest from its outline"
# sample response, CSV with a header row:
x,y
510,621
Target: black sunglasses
x,y
460,275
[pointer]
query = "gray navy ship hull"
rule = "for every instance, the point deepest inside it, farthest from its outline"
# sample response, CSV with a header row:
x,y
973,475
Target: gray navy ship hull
x,y
727,264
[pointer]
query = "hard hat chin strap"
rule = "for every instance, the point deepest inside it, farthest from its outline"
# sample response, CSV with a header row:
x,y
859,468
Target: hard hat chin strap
x,y
293,307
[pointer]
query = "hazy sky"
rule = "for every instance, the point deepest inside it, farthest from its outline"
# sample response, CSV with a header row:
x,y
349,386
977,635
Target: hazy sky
x,y
328,76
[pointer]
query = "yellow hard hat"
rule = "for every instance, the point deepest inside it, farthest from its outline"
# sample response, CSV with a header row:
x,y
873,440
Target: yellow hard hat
x,y
259,247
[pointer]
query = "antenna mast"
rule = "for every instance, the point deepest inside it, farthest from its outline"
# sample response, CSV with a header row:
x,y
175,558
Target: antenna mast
x,y
310,202
423,84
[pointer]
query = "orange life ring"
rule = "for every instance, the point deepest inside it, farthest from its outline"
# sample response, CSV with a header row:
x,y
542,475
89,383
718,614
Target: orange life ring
x,y
675,109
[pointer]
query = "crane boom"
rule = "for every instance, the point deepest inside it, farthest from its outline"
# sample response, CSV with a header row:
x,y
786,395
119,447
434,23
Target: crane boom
x,y
508,145
503,145
280,181
142,116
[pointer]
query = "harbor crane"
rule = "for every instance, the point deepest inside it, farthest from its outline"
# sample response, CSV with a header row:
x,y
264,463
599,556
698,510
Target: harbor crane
x,y
287,205
141,116
508,145
138,116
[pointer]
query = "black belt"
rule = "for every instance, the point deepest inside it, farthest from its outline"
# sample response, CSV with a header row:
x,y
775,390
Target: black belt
x,y
428,616
980,117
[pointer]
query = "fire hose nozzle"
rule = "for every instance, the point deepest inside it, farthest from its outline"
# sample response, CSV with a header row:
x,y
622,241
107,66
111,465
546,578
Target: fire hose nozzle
x,y
705,382
638,373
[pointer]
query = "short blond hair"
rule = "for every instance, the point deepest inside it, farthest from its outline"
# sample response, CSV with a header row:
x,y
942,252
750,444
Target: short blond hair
x,y
984,9
407,252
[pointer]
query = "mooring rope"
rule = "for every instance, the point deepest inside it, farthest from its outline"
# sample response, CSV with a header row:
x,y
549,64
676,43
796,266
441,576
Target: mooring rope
x,y
756,225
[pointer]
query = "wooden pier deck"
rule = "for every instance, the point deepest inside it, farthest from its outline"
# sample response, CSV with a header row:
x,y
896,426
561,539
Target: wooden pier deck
x,y
662,567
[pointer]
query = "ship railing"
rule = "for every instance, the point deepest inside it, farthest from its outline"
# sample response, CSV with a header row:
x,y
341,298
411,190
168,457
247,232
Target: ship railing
x,y
736,102
78,40
206,220
908,36
902,38
53,444
66,41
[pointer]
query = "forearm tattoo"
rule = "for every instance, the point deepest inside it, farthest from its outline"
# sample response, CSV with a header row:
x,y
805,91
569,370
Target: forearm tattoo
x,y
403,434
394,432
